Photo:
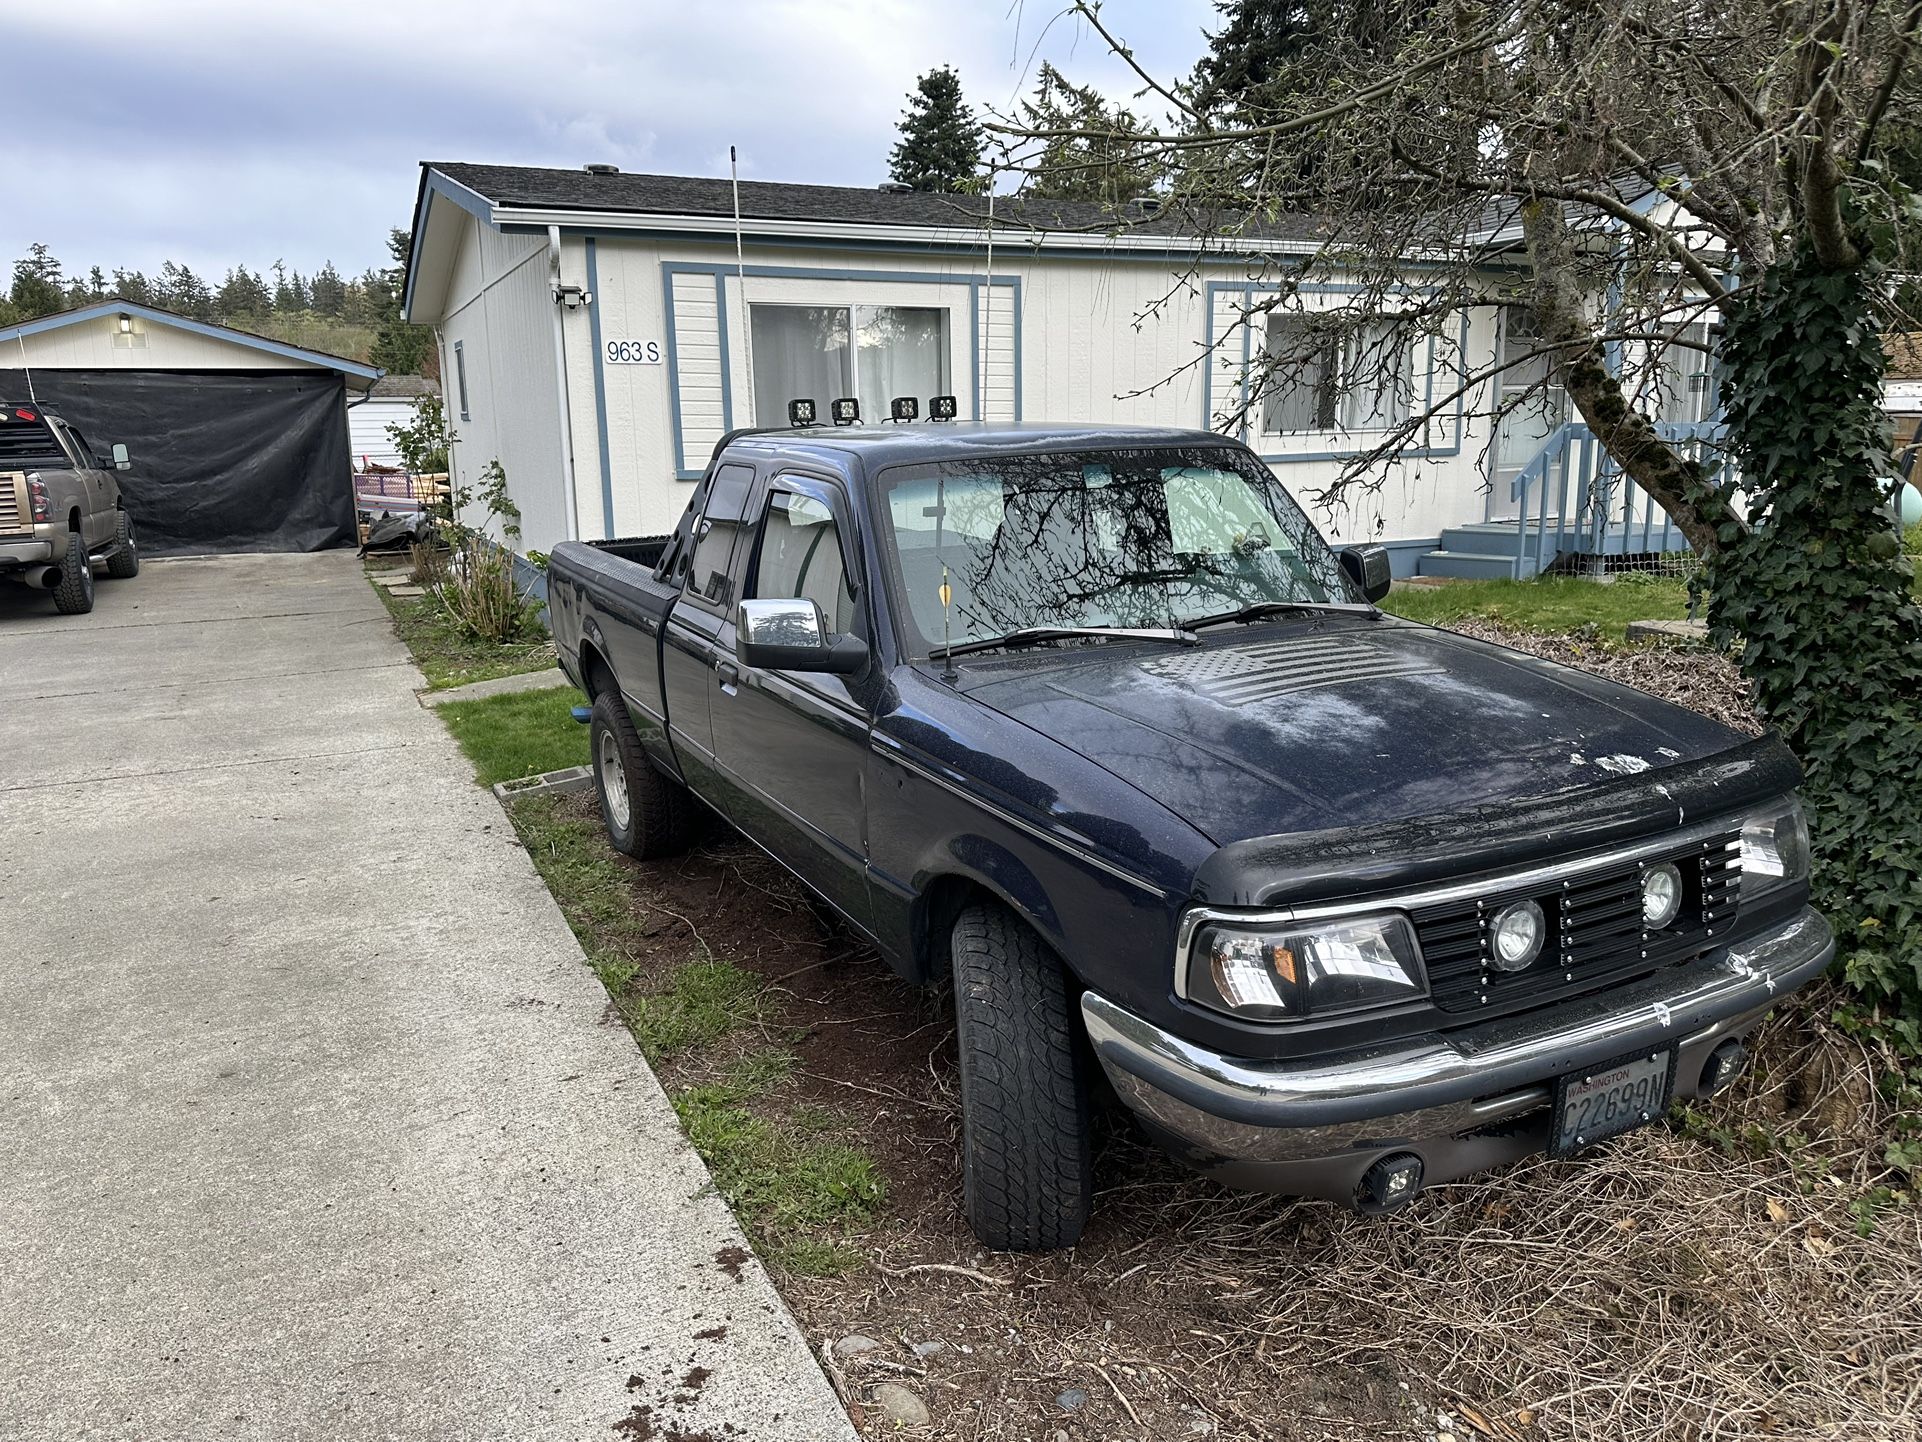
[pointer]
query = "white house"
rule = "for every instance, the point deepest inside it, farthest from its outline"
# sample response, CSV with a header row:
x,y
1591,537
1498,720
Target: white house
x,y
599,333
391,401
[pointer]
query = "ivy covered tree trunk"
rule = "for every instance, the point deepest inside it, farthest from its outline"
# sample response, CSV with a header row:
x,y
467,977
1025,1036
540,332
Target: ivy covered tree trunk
x,y
1816,592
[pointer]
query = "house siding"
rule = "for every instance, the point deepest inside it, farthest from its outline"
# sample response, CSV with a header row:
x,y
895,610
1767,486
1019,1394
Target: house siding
x,y
1054,338
501,315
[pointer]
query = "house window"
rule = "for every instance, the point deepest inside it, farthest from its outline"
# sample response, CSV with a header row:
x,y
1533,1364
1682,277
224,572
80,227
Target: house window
x,y
1328,376
823,352
1684,378
460,377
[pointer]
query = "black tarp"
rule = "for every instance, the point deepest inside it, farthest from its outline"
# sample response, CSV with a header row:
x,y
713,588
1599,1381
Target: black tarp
x,y
222,460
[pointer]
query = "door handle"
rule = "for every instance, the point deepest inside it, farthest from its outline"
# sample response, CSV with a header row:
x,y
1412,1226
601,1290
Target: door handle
x,y
728,673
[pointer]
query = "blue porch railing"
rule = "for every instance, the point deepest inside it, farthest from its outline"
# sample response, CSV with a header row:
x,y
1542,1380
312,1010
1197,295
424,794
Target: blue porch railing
x,y
1576,499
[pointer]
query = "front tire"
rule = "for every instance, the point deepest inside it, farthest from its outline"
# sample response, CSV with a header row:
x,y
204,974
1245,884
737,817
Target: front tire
x,y
73,595
646,814
124,563
1027,1158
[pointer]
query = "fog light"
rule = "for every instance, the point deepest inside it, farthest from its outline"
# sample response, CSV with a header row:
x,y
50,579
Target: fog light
x,y
1723,1066
1389,1184
1661,894
1516,936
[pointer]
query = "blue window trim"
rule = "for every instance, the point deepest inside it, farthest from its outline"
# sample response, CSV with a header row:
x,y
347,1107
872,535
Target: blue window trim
x,y
600,391
460,377
720,272
1248,290
157,316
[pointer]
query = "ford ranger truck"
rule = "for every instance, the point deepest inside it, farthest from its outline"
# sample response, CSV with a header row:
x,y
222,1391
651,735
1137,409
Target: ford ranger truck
x,y
1090,726
60,508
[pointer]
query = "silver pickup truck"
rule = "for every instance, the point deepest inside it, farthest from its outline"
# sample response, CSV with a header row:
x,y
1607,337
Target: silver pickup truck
x,y
60,508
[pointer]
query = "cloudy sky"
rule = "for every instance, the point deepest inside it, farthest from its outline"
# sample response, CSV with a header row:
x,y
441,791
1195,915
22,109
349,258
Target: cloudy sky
x,y
221,131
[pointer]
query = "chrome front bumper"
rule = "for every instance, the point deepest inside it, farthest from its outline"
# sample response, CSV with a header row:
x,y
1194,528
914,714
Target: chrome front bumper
x,y
1459,1099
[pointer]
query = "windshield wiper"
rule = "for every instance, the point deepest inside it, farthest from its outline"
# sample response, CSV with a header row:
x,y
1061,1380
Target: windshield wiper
x,y
1031,635
1255,610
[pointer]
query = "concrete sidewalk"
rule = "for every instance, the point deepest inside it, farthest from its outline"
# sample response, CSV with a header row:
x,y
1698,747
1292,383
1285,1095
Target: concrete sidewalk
x,y
312,1121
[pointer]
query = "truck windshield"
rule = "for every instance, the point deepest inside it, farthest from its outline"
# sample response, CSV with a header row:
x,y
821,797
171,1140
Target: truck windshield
x,y
1129,538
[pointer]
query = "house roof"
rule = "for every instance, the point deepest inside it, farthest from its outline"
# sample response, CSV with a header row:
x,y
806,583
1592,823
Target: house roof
x,y
389,388
113,305
527,188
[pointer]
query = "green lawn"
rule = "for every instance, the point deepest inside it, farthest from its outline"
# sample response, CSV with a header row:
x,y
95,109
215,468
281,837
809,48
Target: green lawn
x,y
1552,603
508,737
448,657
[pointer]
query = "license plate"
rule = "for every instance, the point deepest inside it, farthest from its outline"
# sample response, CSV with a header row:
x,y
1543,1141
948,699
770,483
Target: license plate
x,y
1605,1101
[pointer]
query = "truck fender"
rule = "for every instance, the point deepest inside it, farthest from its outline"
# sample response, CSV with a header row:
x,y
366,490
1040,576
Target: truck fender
x,y
966,867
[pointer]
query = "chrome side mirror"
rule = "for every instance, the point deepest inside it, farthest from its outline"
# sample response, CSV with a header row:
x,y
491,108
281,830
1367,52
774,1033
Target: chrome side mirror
x,y
1369,568
121,461
792,635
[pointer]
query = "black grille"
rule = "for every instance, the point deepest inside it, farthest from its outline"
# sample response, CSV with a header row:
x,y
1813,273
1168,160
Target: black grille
x,y
1595,935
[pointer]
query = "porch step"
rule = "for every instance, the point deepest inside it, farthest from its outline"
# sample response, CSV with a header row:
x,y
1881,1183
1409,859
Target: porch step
x,y
1471,565
1489,538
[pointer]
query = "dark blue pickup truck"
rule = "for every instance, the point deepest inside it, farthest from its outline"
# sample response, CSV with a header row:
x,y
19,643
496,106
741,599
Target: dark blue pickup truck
x,y
1091,725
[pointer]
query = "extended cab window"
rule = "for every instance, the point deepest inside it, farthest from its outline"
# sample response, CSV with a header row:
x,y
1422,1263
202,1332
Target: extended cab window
x,y
801,556
722,521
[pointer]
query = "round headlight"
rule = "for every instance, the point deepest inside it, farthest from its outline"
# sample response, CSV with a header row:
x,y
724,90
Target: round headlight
x,y
1661,895
1515,936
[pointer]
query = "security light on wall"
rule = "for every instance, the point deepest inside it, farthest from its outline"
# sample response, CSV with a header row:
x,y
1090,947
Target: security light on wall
x,y
573,296
126,323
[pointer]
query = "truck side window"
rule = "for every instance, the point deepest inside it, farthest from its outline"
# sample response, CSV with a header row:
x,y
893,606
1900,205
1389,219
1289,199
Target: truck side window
x,y
801,556
723,520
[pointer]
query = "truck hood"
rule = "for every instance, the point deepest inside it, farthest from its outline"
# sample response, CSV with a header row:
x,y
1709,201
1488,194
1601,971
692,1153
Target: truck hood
x,y
1337,721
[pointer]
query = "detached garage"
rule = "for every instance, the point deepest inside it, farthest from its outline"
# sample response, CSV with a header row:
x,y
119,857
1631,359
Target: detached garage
x,y
239,443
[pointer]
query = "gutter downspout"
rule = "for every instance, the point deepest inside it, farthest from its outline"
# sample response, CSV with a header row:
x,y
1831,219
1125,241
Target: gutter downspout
x,y
560,373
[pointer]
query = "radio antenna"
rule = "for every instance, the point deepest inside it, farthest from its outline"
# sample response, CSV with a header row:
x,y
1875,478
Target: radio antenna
x,y
740,276
987,338
28,368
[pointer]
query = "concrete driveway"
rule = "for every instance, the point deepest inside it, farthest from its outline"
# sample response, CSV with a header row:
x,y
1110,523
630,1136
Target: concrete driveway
x,y
312,1123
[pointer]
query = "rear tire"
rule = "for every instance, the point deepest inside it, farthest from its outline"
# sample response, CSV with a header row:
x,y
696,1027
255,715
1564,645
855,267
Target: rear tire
x,y
124,563
1027,1157
73,595
647,815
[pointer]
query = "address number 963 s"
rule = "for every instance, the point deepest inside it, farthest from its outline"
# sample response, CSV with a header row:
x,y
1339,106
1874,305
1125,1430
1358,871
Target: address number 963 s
x,y
632,352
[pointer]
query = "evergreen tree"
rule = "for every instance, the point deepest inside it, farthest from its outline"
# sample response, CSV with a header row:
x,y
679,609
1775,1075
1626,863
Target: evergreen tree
x,y
941,141
1106,166
183,292
38,287
243,295
134,286
400,348
327,292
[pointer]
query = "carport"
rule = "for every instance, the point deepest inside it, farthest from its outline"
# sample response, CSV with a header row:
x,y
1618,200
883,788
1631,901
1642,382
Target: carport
x,y
239,442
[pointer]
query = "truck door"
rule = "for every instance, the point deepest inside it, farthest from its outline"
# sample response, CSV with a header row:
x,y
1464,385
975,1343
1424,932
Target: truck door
x,y
700,631
97,520
792,747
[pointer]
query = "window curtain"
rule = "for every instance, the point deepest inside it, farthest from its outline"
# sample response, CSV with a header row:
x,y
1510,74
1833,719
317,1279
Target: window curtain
x,y
800,353
1301,395
900,351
